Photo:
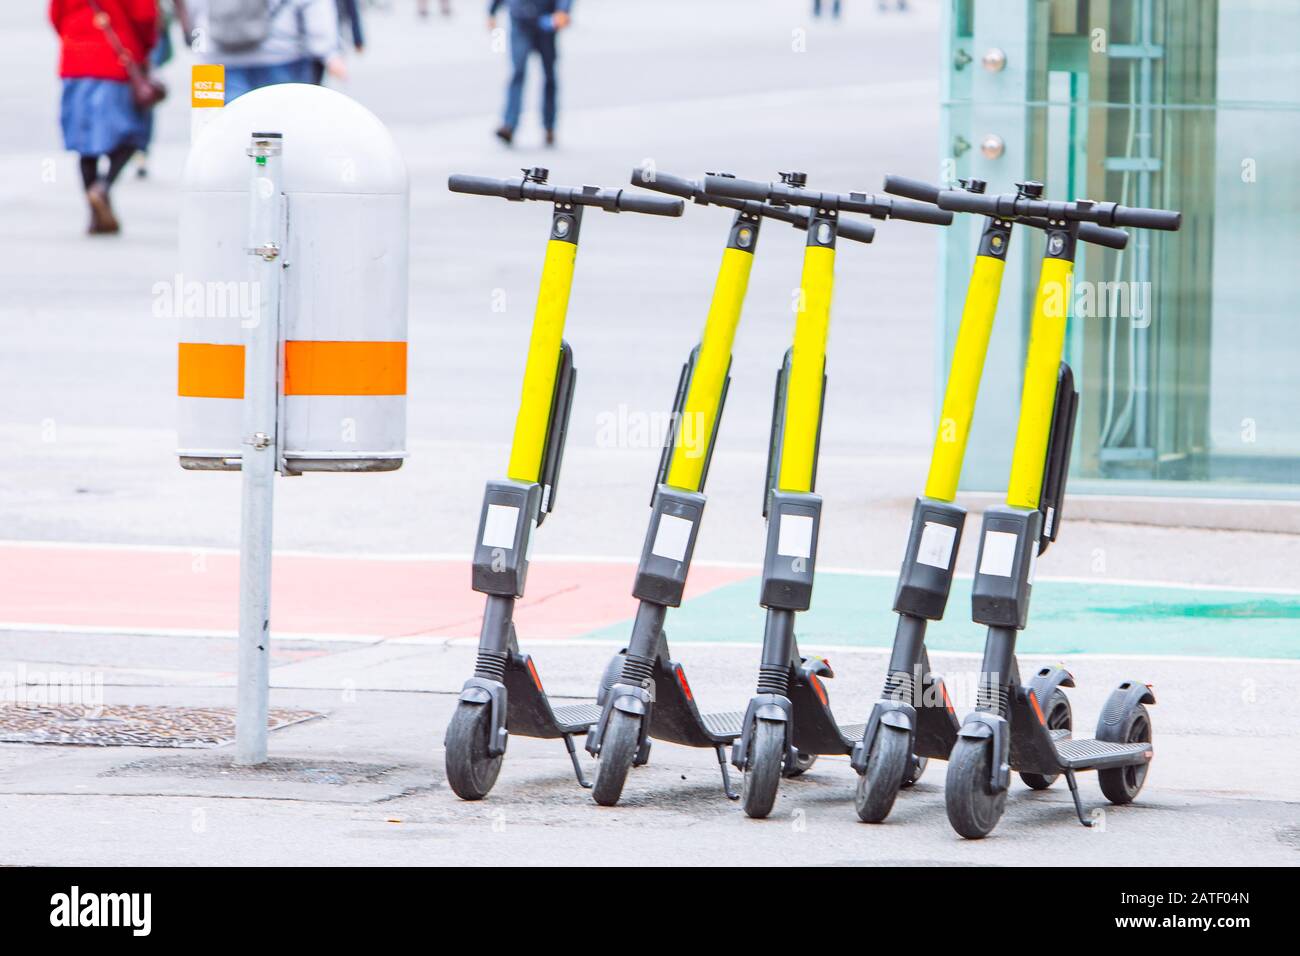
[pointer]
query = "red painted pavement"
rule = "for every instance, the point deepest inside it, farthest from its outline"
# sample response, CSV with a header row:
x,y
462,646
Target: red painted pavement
x,y
126,588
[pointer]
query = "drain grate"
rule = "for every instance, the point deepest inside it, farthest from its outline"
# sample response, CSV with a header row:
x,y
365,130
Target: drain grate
x,y
131,725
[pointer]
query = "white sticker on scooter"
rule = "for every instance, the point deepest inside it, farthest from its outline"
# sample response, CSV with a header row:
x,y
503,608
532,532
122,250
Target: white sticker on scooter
x,y
794,539
999,554
672,538
936,545
499,528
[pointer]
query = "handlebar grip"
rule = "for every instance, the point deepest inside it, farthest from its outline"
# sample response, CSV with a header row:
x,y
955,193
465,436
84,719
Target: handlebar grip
x,y
1147,218
665,182
737,188
477,185
919,212
651,205
857,231
959,200
912,188
1102,235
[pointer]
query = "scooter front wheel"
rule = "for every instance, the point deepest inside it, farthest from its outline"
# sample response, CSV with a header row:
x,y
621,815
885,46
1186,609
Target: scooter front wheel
x,y
471,772
888,763
617,751
766,762
973,809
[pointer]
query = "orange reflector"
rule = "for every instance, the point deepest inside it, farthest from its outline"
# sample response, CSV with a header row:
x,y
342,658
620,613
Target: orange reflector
x,y
817,686
681,679
1033,699
344,368
210,371
532,669
947,701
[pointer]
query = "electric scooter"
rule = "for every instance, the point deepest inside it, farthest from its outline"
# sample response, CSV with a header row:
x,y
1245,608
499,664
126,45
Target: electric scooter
x,y
506,695
1028,728
651,697
790,714
914,719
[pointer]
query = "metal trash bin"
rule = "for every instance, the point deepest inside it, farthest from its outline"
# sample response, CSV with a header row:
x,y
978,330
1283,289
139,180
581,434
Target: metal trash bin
x,y
343,311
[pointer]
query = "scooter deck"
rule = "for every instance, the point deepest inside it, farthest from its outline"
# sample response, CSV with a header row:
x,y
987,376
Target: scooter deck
x,y
529,711
1089,754
1036,749
815,728
677,719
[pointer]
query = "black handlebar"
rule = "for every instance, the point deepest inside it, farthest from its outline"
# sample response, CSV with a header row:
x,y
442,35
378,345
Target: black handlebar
x,y
479,185
912,188
667,183
878,207
1106,214
610,200
695,191
1088,232
928,192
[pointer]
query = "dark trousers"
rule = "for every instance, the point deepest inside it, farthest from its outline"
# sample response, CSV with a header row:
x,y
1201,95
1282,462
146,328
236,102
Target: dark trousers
x,y
527,36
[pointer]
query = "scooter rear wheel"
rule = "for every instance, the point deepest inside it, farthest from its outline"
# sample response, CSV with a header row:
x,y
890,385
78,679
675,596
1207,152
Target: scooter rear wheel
x,y
915,770
973,810
471,773
617,751
1122,784
1056,716
802,764
888,762
763,775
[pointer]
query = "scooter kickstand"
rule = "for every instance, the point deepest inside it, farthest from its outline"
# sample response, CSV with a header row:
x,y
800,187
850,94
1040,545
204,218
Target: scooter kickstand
x,y
577,767
726,777
1074,792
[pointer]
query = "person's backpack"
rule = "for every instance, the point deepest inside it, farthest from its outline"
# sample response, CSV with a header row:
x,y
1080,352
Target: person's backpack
x,y
235,26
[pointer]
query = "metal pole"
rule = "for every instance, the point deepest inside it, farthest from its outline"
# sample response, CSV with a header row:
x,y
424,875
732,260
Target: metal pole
x,y
261,390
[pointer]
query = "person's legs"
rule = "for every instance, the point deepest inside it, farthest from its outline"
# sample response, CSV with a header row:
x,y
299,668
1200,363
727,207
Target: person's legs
x,y
89,171
117,161
521,44
239,80
546,49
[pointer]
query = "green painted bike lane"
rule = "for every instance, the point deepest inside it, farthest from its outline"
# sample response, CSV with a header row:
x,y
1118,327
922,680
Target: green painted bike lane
x,y
1065,617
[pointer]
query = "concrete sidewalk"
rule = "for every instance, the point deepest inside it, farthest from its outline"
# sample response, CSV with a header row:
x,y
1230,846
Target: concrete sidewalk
x,y
365,785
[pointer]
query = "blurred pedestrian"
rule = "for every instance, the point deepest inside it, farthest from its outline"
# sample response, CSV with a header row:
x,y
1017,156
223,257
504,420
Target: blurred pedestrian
x,y
533,26
105,112
835,8
264,42
350,18
349,15
443,5
169,11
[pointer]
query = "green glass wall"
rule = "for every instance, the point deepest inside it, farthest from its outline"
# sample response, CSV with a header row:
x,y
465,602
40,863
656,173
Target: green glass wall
x,y
1186,346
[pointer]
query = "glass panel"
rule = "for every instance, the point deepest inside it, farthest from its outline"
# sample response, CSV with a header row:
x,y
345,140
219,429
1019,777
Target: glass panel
x,y
1185,346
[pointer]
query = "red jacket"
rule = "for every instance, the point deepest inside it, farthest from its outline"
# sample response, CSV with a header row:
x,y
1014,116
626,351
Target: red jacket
x,y
85,50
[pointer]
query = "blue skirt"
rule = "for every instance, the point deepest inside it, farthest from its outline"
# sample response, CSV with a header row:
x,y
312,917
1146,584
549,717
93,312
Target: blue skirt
x,y
99,115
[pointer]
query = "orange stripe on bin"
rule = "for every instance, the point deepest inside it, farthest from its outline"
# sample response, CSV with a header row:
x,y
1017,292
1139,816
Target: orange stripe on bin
x,y
344,368
210,371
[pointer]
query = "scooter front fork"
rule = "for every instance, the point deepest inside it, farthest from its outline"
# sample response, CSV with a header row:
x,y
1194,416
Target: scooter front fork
x,y
771,700
499,570
660,582
487,686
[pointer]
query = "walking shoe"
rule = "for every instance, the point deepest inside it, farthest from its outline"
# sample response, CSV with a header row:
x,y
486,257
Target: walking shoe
x,y
102,220
506,134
